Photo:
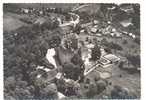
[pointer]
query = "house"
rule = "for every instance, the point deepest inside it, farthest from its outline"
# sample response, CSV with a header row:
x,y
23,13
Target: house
x,y
104,61
130,34
95,22
112,34
99,35
93,30
58,75
50,56
115,34
112,58
118,34
124,32
89,46
82,31
43,68
86,24
133,36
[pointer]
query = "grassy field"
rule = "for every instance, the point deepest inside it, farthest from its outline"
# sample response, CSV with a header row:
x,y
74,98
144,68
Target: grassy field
x,y
11,22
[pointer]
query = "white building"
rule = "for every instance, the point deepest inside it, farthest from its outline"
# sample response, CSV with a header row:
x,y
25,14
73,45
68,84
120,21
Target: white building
x,y
50,56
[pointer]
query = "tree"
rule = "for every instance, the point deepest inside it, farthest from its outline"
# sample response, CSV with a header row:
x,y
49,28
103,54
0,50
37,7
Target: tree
x,y
104,41
72,71
68,70
119,92
61,85
136,15
76,59
125,42
107,50
49,24
115,46
134,59
77,29
121,65
101,85
82,16
106,13
10,83
23,52
111,45
50,91
95,55
54,41
137,40
92,90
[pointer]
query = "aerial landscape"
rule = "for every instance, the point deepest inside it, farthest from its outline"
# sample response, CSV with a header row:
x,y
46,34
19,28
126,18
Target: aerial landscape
x,y
71,51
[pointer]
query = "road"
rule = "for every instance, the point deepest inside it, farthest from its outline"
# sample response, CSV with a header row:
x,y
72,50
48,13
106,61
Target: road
x,y
74,22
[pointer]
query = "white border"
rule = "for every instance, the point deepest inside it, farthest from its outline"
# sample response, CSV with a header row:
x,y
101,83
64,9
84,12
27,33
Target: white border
x,y
71,1
143,51
143,33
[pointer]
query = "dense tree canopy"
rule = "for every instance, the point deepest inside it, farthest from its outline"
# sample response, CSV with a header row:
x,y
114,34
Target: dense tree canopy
x,y
25,49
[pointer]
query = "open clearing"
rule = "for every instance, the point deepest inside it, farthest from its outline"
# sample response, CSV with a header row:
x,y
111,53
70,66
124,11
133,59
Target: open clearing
x,y
11,22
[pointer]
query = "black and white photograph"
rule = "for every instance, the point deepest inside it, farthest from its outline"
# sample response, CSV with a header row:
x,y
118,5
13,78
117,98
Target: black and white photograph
x,y
71,51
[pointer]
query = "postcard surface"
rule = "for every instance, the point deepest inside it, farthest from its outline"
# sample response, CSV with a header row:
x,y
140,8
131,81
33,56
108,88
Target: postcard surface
x,y
71,51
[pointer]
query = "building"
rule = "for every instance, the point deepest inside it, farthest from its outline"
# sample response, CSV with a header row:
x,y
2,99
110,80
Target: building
x,y
112,58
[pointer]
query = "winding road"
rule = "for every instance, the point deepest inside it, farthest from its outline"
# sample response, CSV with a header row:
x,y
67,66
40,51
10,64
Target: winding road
x,y
74,22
